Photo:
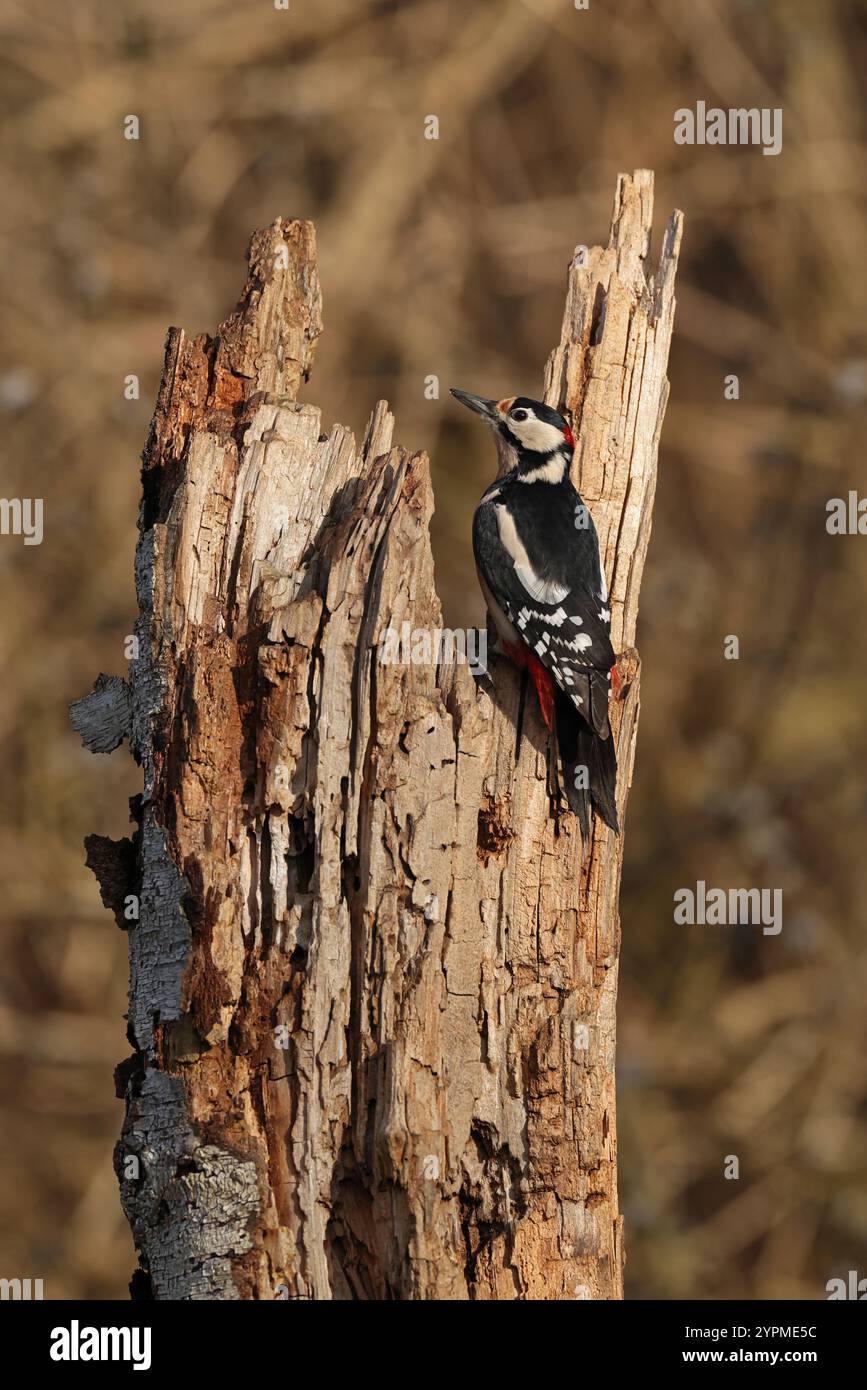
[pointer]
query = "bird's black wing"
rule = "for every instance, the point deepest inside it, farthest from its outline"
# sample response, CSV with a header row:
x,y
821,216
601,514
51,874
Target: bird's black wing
x,y
547,594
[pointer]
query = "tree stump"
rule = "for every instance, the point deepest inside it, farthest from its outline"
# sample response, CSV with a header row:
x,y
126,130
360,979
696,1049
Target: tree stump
x,y
372,974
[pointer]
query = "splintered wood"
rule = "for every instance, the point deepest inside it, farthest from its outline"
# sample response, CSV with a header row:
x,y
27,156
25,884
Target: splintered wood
x,y
372,997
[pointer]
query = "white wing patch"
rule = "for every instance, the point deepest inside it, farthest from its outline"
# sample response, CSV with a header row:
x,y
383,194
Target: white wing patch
x,y
579,643
555,619
544,590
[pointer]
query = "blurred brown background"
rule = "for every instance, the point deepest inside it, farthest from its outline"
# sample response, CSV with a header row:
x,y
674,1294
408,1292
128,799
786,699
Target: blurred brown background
x,y
448,257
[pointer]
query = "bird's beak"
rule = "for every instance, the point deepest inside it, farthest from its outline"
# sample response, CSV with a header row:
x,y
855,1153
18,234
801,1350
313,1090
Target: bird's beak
x,y
477,403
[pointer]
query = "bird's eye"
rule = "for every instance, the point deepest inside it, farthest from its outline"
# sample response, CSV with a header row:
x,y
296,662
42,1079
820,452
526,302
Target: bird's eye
x,y
519,415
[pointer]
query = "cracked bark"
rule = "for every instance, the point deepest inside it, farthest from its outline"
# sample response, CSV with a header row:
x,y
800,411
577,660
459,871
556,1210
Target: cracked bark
x,y
373,983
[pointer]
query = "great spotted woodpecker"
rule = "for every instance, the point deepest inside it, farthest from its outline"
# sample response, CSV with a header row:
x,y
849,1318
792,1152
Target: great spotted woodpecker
x,y
537,555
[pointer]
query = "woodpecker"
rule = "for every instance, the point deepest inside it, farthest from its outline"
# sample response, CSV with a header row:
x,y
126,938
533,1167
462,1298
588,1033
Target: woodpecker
x,y
537,556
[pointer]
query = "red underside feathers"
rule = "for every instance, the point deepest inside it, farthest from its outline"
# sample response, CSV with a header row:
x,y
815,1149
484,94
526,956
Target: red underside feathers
x,y
542,679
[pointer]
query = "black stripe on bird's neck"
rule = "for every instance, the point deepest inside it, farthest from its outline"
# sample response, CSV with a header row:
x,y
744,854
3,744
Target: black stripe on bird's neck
x,y
535,467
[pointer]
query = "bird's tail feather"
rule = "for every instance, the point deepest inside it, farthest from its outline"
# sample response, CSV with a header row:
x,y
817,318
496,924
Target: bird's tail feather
x,y
589,767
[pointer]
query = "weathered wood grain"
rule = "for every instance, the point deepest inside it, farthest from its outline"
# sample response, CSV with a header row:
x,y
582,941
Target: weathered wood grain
x,y
372,984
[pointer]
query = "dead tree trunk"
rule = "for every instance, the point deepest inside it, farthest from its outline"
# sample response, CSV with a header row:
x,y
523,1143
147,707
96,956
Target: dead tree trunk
x,y
372,997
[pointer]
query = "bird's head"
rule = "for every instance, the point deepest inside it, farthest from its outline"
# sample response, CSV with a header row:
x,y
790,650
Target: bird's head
x,y
531,436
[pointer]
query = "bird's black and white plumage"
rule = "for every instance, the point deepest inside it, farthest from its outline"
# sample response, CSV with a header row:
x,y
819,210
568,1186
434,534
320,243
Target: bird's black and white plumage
x,y
537,555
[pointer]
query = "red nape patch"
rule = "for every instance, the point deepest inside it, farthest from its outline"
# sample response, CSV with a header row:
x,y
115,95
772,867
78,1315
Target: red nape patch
x,y
542,679
569,437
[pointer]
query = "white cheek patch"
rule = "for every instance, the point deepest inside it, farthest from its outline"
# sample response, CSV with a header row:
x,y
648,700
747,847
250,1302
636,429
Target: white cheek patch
x,y
537,435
